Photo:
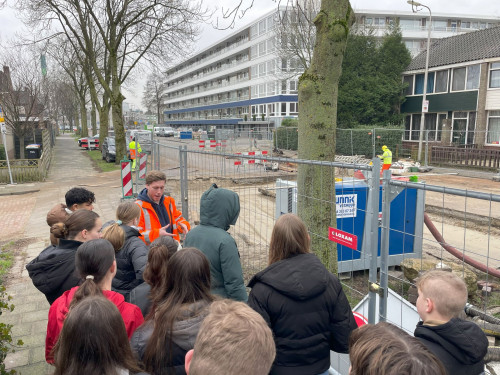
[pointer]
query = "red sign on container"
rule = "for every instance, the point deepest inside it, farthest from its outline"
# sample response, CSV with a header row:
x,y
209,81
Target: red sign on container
x,y
343,238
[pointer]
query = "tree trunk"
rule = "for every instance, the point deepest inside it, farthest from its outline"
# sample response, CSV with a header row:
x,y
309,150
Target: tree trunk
x,y
104,118
318,89
21,147
93,119
117,99
77,121
83,116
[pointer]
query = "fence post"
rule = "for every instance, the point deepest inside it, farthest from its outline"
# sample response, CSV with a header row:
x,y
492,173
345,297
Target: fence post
x,y
426,148
373,143
374,191
183,180
384,244
157,156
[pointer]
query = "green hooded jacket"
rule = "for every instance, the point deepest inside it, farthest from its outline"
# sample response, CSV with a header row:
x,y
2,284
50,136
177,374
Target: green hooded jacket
x,y
220,208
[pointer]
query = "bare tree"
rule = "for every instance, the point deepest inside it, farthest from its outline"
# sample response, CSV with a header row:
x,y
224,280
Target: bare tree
x,y
154,94
296,32
129,30
22,99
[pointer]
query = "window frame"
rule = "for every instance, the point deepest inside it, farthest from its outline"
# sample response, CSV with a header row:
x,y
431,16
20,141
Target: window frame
x,y
490,70
495,116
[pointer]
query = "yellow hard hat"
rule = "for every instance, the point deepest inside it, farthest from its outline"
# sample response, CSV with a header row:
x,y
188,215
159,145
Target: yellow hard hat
x,y
384,147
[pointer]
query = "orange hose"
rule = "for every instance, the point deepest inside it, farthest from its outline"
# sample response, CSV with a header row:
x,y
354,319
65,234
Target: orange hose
x,y
453,251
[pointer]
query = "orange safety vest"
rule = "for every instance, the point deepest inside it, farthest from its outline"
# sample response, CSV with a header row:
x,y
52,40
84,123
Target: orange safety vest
x,y
150,223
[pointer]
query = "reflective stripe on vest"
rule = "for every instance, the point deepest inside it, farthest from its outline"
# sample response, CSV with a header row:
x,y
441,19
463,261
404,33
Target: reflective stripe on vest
x,y
146,237
174,224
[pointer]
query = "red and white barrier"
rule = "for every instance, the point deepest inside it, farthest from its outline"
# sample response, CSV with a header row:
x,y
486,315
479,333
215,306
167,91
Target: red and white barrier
x,y
127,186
213,143
201,143
264,153
238,161
143,161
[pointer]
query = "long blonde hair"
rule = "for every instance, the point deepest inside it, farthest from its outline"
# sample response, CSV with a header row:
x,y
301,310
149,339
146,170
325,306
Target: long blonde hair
x,y
289,238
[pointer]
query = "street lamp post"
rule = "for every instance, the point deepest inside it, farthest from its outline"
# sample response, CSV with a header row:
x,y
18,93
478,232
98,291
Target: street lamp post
x,y
425,105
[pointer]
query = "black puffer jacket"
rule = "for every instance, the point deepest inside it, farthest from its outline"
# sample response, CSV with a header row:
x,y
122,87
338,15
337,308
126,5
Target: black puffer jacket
x,y
140,296
461,345
53,270
307,310
130,261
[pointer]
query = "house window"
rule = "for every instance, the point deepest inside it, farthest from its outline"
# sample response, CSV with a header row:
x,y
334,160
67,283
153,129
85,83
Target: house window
x,y
458,79
495,75
283,109
433,126
283,87
293,87
493,135
408,81
294,108
419,83
441,81
473,77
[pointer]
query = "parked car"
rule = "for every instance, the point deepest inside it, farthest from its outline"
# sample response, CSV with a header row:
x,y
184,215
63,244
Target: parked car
x,y
108,149
167,132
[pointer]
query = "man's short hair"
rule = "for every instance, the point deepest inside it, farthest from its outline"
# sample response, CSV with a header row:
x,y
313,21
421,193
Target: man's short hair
x,y
233,339
446,290
153,176
79,195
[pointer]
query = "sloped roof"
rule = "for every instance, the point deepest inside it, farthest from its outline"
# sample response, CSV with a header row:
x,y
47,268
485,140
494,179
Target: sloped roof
x,y
472,46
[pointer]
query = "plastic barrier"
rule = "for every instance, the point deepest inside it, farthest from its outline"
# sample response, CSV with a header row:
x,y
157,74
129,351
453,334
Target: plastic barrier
x,y
127,186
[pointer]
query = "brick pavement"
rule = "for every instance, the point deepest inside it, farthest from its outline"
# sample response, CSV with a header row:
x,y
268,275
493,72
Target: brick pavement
x,y
24,216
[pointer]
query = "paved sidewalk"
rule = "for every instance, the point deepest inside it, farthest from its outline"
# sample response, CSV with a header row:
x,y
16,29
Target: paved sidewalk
x,y
24,208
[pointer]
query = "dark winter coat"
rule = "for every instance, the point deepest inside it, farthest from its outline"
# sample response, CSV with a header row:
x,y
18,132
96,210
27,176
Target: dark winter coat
x,y
220,208
307,310
183,335
130,261
139,296
461,345
53,270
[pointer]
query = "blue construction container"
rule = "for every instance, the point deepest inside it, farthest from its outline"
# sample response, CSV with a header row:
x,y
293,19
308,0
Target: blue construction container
x,y
352,199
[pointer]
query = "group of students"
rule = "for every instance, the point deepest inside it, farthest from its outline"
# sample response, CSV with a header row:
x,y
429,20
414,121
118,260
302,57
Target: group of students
x,y
128,299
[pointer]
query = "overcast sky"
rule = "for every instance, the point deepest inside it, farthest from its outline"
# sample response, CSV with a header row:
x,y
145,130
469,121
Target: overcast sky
x,y
10,24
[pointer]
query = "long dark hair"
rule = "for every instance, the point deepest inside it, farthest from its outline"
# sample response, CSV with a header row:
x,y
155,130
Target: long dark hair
x,y
74,224
155,273
93,260
94,340
187,281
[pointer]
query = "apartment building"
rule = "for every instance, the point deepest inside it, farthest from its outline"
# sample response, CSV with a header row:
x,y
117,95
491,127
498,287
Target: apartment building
x,y
414,26
238,81
241,82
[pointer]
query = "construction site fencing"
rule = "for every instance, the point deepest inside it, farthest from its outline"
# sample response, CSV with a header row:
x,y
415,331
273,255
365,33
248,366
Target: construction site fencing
x,y
389,229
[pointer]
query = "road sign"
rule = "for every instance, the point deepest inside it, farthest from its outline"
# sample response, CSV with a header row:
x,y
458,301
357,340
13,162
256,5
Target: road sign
x,y
425,106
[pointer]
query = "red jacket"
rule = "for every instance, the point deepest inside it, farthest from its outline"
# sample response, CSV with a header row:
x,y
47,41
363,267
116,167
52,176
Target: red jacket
x,y
132,317
150,223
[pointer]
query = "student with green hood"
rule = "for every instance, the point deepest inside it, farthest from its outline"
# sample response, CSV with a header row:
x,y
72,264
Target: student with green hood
x,y
220,208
